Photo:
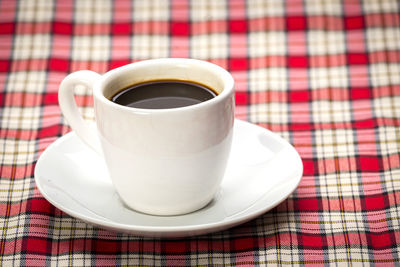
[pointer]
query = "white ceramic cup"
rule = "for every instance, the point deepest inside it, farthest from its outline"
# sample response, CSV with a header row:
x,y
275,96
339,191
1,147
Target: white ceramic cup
x,y
161,161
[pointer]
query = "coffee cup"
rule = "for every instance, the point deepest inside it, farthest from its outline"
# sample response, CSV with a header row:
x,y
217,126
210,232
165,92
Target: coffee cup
x,y
162,159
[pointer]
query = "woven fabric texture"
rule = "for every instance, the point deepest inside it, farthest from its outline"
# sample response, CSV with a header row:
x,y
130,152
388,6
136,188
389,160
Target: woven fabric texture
x,y
324,75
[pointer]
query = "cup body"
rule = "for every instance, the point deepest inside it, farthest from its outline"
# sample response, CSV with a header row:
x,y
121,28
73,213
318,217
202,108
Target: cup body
x,y
166,161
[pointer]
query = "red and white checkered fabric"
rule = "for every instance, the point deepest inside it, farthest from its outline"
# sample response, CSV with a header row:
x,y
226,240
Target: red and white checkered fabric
x,y
325,75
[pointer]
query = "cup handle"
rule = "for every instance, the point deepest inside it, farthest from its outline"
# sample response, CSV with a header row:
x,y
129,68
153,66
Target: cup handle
x,y
70,110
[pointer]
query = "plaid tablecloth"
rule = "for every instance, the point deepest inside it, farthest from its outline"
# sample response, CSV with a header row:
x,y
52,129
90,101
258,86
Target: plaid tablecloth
x,y
325,75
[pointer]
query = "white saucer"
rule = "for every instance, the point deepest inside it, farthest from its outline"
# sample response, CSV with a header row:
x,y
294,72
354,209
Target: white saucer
x,y
263,170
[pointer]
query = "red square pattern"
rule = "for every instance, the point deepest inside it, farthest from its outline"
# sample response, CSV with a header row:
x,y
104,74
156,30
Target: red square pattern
x,y
307,204
40,205
360,93
352,23
58,64
375,202
299,96
365,124
380,240
296,23
369,164
308,167
62,28
49,131
244,244
6,28
177,247
50,99
121,28
241,98
180,28
357,58
314,241
118,63
238,64
36,245
4,65
297,62
105,246
237,26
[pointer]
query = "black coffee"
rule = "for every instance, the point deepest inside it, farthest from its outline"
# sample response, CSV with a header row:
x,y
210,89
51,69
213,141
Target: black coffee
x,y
163,94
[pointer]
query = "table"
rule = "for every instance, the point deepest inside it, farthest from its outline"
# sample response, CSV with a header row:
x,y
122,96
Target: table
x,y
324,75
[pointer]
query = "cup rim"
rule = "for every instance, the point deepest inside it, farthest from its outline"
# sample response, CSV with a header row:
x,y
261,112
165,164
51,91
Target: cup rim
x,y
226,77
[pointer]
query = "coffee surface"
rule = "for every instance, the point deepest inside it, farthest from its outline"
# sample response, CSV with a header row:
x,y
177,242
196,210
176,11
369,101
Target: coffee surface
x,y
163,94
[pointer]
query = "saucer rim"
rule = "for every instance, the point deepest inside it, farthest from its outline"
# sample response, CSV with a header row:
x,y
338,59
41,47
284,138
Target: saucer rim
x,y
171,231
